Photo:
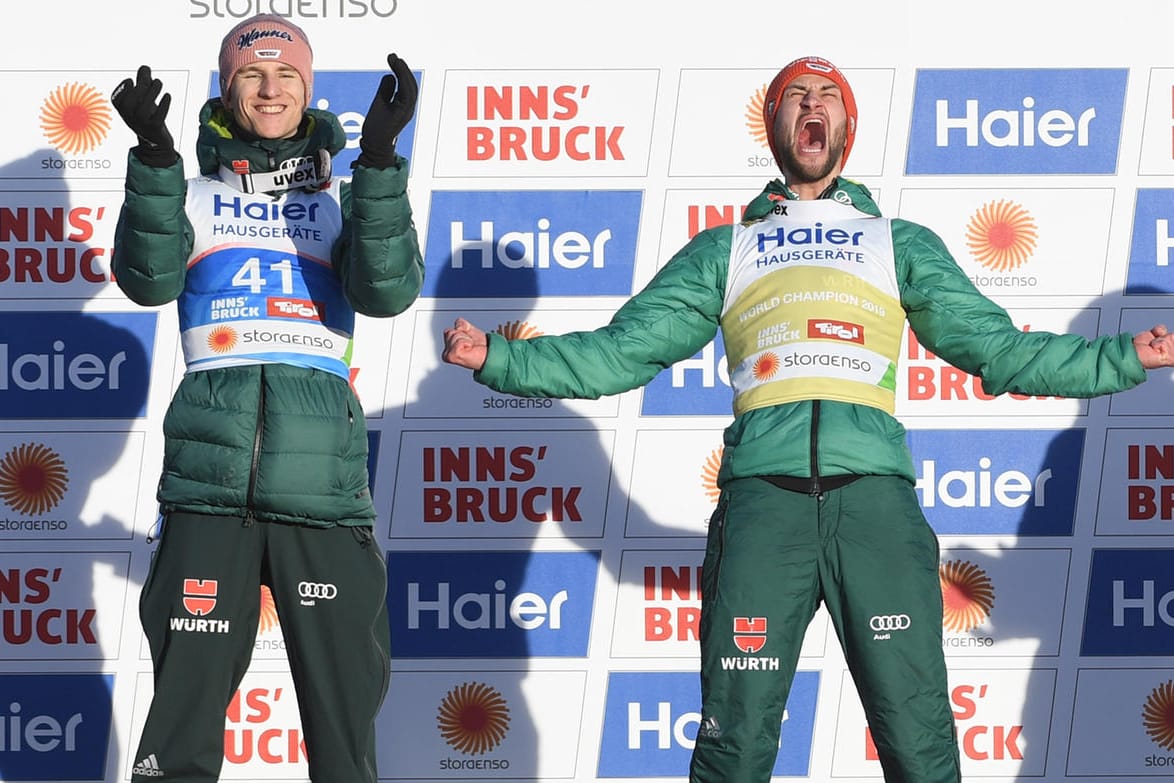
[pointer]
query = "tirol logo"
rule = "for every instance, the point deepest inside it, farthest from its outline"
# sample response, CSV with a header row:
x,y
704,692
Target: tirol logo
x,y
503,604
33,479
1001,236
1150,269
1130,606
967,596
347,94
823,328
295,308
987,482
473,718
531,243
1016,121
75,118
749,633
1157,715
698,386
199,596
57,364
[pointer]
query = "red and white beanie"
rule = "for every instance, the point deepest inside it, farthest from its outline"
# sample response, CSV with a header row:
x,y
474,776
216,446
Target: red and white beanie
x,y
266,38
791,72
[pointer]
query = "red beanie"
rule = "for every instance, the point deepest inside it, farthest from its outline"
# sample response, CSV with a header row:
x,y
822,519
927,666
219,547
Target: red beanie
x,y
266,38
792,71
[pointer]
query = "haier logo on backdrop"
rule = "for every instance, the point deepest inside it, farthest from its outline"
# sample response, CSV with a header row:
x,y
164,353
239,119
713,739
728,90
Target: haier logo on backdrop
x,y
531,243
54,726
998,481
1016,121
1130,607
651,722
698,386
1150,268
64,365
348,94
500,604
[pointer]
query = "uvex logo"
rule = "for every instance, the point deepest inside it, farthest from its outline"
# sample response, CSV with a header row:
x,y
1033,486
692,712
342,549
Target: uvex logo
x,y
199,596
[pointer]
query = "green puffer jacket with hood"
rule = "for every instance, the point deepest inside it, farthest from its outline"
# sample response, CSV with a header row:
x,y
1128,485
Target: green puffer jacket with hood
x,y
270,442
678,313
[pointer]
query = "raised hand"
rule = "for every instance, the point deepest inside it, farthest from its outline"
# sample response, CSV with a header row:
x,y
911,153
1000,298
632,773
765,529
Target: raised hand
x,y
145,112
391,109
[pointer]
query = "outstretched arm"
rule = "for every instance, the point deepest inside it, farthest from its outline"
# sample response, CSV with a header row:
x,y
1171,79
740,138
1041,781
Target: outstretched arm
x,y
670,319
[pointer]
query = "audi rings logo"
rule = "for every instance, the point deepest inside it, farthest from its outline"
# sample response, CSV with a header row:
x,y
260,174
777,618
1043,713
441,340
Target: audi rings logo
x,y
889,622
310,592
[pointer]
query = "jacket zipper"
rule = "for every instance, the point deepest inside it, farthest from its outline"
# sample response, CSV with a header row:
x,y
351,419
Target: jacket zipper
x,y
816,491
250,518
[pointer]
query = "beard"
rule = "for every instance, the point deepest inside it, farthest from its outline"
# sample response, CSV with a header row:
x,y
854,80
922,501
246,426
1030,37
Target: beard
x,y
806,172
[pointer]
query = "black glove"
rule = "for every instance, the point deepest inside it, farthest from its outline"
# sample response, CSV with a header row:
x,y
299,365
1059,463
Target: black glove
x,y
393,106
135,103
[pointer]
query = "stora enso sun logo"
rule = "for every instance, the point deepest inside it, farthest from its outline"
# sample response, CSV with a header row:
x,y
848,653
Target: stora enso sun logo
x,y
709,472
473,718
754,117
1158,715
75,118
1002,236
33,479
518,330
968,595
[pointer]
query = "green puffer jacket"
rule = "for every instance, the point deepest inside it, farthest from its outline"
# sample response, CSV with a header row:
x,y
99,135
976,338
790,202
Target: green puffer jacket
x,y
678,313
269,441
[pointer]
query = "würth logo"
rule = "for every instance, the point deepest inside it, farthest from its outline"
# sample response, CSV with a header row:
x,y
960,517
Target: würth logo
x,y
750,633
199,596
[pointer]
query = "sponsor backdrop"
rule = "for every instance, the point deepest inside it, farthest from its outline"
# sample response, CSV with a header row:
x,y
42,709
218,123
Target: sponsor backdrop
x,y
544,555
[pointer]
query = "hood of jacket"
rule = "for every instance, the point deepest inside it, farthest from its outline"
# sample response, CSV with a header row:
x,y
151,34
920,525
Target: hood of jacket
x,y
220,140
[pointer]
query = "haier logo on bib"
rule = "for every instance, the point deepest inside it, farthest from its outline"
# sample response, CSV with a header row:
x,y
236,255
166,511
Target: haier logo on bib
x,y
989,482
500,604
651,721
531,243
1016,121
1130,607
347,95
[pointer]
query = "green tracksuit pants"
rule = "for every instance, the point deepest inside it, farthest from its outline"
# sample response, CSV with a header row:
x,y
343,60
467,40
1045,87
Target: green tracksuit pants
x,y
330,589
866,551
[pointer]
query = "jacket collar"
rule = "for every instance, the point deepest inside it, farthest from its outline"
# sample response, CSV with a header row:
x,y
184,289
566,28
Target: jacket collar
x,y
843,190
268,165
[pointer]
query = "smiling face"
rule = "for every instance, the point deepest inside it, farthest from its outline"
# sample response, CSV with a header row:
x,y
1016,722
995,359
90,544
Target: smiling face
x,y
267,99
810,132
